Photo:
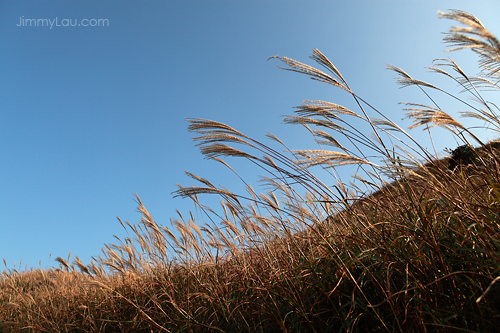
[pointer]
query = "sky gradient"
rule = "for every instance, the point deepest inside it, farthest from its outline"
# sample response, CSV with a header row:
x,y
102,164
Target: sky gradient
x,y
91,115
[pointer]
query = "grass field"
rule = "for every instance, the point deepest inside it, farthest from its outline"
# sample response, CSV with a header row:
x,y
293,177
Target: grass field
x,y
418,254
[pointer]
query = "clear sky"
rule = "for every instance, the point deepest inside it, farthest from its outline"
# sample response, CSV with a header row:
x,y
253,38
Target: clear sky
x,y
90,115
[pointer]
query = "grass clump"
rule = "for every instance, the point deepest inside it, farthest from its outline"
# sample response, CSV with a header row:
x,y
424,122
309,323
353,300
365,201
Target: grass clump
x,y
414,248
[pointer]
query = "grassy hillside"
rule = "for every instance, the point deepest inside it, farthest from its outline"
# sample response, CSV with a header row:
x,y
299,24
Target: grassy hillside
x,y
418,254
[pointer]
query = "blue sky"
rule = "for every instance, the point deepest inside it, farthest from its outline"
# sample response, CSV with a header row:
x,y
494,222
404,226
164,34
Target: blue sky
x,y
90,115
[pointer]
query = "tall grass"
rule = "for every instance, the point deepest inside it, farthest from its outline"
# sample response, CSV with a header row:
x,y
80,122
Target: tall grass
x,y
414,248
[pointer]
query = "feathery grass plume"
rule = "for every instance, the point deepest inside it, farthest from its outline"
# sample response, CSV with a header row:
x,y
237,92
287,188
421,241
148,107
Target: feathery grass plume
x,y
317,157
477,38
405,80
424,114
81,266
315,74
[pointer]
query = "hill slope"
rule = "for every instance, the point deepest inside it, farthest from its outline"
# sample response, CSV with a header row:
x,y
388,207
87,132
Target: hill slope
x,y
420,254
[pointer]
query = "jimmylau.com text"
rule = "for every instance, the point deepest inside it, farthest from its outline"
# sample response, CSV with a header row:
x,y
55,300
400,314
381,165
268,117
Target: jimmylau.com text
x,y
25,22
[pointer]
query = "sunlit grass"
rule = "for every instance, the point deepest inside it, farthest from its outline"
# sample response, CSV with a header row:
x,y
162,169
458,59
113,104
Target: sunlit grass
x,y
414,248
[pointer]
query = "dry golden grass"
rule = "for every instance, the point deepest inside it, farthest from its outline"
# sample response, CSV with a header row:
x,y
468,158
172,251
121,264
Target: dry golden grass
x,y
420,253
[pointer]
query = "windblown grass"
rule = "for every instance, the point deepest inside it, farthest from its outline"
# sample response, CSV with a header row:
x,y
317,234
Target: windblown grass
x,y
420,253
